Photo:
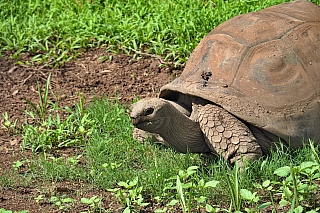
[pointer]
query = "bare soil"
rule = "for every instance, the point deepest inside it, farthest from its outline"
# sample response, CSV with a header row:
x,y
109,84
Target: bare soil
x,y
123,77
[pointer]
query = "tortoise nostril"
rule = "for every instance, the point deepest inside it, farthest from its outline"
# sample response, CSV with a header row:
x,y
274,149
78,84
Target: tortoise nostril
x,y
134,120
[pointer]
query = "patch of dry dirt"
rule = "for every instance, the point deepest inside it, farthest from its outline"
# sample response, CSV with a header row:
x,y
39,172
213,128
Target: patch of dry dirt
x,y
123,78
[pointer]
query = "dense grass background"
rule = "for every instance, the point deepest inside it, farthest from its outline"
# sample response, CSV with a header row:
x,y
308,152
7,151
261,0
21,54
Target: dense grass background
x,y
59,28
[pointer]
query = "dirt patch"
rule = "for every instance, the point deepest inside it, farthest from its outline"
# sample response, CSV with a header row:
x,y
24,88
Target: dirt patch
x,y
122,77
92,73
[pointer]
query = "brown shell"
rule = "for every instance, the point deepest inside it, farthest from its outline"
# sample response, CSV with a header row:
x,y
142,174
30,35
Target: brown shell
x,y
265,70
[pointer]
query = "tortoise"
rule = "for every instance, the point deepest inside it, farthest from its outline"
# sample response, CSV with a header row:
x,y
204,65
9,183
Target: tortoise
x,y
251,83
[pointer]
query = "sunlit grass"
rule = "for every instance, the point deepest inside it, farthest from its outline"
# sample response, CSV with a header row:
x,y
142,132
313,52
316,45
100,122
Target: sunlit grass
x,y
54,31
110,156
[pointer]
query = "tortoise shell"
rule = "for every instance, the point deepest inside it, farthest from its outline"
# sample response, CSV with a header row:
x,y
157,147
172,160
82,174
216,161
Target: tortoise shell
x,y
264,68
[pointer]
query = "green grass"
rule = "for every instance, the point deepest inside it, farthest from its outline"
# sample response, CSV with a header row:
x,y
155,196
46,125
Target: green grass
x,y
8,211
111,159
55,31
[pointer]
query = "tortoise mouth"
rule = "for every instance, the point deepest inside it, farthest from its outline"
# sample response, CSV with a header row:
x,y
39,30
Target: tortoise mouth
x,y
150,125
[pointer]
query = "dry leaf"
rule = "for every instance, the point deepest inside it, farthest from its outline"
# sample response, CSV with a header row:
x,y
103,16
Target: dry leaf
x,y
15,92
4,149
12,69
105,71
15,141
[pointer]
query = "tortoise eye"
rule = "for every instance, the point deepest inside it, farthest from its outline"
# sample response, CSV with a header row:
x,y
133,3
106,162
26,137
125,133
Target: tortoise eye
x,y
149,111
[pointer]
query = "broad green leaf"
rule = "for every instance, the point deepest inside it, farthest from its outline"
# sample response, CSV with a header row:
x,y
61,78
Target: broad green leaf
x,y
81,129
246,194
209,208
212,184
257,185
264,205
266,183
86,200
283,202
187,185
201,199
161,210
7,123
113,190
17,164
315,176
67,200
302,186
133,182
307,164
181,173
192,168
127,210
172,202
287,192
270,188
5,211
298,209
248,210
53,199
282,171
201,183
123,184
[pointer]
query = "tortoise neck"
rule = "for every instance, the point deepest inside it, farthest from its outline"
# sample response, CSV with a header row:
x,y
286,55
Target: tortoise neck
x,y
182,133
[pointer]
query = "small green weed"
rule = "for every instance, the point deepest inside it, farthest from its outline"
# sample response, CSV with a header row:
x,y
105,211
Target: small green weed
x,y
51,131
94,204
40,110
8,125
66,203
252,200
299,187
129,195
39,198
73,131
18,164
62,202
189,189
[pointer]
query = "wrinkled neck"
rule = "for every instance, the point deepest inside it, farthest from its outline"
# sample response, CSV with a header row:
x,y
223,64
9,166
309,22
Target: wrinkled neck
x,y
182,133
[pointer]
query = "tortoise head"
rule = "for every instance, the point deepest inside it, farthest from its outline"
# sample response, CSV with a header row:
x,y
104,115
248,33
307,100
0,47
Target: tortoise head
x,y
150,114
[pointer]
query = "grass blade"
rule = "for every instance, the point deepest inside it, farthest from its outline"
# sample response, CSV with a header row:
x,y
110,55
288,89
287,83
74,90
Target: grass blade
x,y
180,194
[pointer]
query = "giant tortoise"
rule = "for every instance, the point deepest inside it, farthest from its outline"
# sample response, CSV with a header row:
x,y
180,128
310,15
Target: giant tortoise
x,y
252,82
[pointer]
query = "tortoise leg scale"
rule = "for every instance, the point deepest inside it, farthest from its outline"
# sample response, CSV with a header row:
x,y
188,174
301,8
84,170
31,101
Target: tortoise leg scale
x,y
227,135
